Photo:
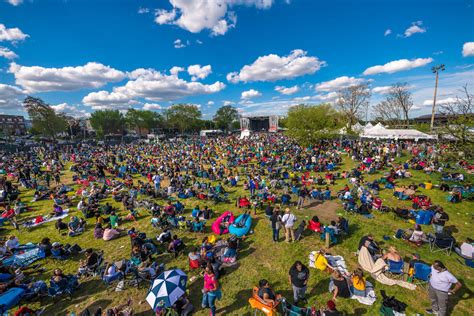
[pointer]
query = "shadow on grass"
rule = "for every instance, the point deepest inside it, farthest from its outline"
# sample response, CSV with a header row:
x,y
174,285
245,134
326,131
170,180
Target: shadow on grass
x,y
239,301
464,293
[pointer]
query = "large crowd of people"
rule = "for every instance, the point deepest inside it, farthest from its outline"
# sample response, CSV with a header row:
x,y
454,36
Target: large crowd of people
x,y
274,175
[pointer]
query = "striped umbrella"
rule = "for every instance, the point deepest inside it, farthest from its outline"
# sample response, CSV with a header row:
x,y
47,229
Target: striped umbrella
x,y
167,288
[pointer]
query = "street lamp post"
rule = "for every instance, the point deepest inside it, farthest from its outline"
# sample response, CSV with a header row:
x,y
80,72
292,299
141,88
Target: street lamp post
x,y
436,70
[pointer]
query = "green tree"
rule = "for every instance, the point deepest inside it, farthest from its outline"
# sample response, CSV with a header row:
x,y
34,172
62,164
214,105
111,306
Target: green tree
x,y
106,122
225,116
183,117
141,120
308,124
44,119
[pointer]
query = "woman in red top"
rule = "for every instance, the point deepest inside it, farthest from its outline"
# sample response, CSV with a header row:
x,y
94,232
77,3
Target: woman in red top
x,y
211,291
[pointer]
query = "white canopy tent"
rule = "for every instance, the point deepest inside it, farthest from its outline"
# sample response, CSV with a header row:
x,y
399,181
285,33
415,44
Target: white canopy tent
x,y
384,133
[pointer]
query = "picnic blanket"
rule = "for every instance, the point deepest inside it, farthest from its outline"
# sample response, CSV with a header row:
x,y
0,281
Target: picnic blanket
x,y
24,258
336,262
368,299
377,268
46,219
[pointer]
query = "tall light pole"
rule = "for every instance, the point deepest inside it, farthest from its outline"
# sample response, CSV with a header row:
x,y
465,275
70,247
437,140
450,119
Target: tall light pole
x,y
436,70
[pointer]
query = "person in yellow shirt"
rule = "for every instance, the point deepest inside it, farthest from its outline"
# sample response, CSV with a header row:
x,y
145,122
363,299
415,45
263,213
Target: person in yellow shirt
x,y
321,263
358,282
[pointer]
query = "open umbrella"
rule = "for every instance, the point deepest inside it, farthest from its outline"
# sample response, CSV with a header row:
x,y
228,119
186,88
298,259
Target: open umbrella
x,y
167,288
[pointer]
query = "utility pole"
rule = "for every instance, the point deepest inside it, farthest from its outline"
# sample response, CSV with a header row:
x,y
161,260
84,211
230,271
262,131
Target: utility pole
x,y
436,70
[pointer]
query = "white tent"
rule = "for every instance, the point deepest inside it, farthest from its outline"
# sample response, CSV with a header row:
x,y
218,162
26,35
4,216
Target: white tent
x,y
380,132
368,126
357,127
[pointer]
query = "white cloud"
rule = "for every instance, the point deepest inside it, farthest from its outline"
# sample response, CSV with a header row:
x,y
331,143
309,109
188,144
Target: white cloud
x,y
227,102
382,89
273,67
197,15
108,100
70,110
250,94
210,103
387,32
468,49
198,42
12,35
302,99
10,96
439,101
416,27
40,79
398,65
7,53
179,44
152,106
328,97
175,70
287,90
198,72
338,83
142,10
164,17
15,2
151,85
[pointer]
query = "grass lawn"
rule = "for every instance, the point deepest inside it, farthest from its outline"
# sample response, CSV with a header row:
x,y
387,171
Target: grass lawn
x,y
260,258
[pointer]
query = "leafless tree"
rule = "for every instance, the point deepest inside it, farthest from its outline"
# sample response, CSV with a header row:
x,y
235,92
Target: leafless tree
x,y
388,112
460,116
400,97
353,101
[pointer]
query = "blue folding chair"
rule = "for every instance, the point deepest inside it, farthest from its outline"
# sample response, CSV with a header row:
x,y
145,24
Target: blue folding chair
x,y
395,268
421,274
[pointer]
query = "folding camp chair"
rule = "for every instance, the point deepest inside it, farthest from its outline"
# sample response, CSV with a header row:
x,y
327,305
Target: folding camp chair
x,y
257,304
395,268
441,243
421,274
293,310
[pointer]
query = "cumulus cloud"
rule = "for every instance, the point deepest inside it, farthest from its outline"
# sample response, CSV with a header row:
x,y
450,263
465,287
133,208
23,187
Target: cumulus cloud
x,y
328,97
287,90
175,70
40,79
338,83
227,102
152,106
416,27
7,53
210,103
197,15
108,100
70,110
197,72
11,35
398,65
468,49
250,94
439,101
387,32
15,2
273,67
10,96
151,85
382,89
179,44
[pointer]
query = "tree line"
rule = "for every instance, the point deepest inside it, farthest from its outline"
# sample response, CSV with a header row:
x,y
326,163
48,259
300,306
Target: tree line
x,y
178,118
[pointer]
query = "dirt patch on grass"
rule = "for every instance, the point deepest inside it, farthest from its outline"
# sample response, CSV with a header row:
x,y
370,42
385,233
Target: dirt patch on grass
x,y
326,211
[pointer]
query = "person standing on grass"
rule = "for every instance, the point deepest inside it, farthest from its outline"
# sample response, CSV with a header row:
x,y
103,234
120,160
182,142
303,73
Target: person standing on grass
x,y
289,220
301,197
298,277
439,220
210,291
275,220
439,290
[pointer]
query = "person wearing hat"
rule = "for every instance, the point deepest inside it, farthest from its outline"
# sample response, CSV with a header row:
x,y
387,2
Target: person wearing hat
x,y
289,220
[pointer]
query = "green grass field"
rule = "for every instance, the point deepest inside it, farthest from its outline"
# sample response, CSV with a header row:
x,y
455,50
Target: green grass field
x,y
260,258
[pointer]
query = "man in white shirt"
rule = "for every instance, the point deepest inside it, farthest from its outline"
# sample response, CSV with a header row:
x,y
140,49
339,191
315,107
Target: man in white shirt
x,y
289,220
12,243
439,289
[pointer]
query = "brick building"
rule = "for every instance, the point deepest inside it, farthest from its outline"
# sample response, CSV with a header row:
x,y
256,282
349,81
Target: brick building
x,y
12,125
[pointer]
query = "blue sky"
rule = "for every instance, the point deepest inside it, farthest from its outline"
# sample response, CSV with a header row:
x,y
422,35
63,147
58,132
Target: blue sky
x,y
262,56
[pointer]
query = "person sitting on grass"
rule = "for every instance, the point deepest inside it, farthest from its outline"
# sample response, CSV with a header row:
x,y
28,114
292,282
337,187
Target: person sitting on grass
x,y
76,226
112,233
330,309
98,231
92,258
175,245
341,286
392,255
358,283
266,293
